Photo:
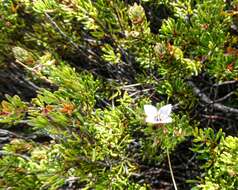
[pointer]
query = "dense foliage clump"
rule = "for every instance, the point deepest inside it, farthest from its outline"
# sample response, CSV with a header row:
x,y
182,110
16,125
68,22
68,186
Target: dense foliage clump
x,y
75,78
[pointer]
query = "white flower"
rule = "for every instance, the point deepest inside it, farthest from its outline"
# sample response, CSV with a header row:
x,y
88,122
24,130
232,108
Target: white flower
x,y
155,116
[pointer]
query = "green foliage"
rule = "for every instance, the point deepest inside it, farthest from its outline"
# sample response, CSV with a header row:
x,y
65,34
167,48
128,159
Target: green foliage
x,y
220,155
88,143
157,139
95,112
12,111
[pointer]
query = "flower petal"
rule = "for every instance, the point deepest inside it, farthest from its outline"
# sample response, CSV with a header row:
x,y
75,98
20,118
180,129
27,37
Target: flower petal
x,y
150,111
151,120
165,111
166,120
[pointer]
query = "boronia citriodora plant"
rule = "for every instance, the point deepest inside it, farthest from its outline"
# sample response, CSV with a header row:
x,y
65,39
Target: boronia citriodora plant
x,y
83,76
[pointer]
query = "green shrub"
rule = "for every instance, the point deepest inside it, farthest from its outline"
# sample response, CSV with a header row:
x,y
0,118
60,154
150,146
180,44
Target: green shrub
x,y
102,62
220,156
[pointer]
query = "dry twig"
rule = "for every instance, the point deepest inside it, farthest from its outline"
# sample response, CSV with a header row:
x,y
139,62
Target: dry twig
x,y
217,106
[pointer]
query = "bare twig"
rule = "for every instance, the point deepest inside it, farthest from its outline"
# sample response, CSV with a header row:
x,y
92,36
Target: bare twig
x,y
4,132
140,91
203,97
130,85
34,72
216,117
5,153
72,179
226,83
224,97
55,26
76,46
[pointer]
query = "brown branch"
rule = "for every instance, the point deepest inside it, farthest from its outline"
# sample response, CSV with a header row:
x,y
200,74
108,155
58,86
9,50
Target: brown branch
x,y
203,97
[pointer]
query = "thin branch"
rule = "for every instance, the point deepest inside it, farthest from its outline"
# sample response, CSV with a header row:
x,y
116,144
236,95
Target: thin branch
x,y
199,93
5,153
203,97
224,97
76,46
226,83
33,71
72,179
115,9
130,85
122,51
225,109
55,26
4,132
216,117
140,91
